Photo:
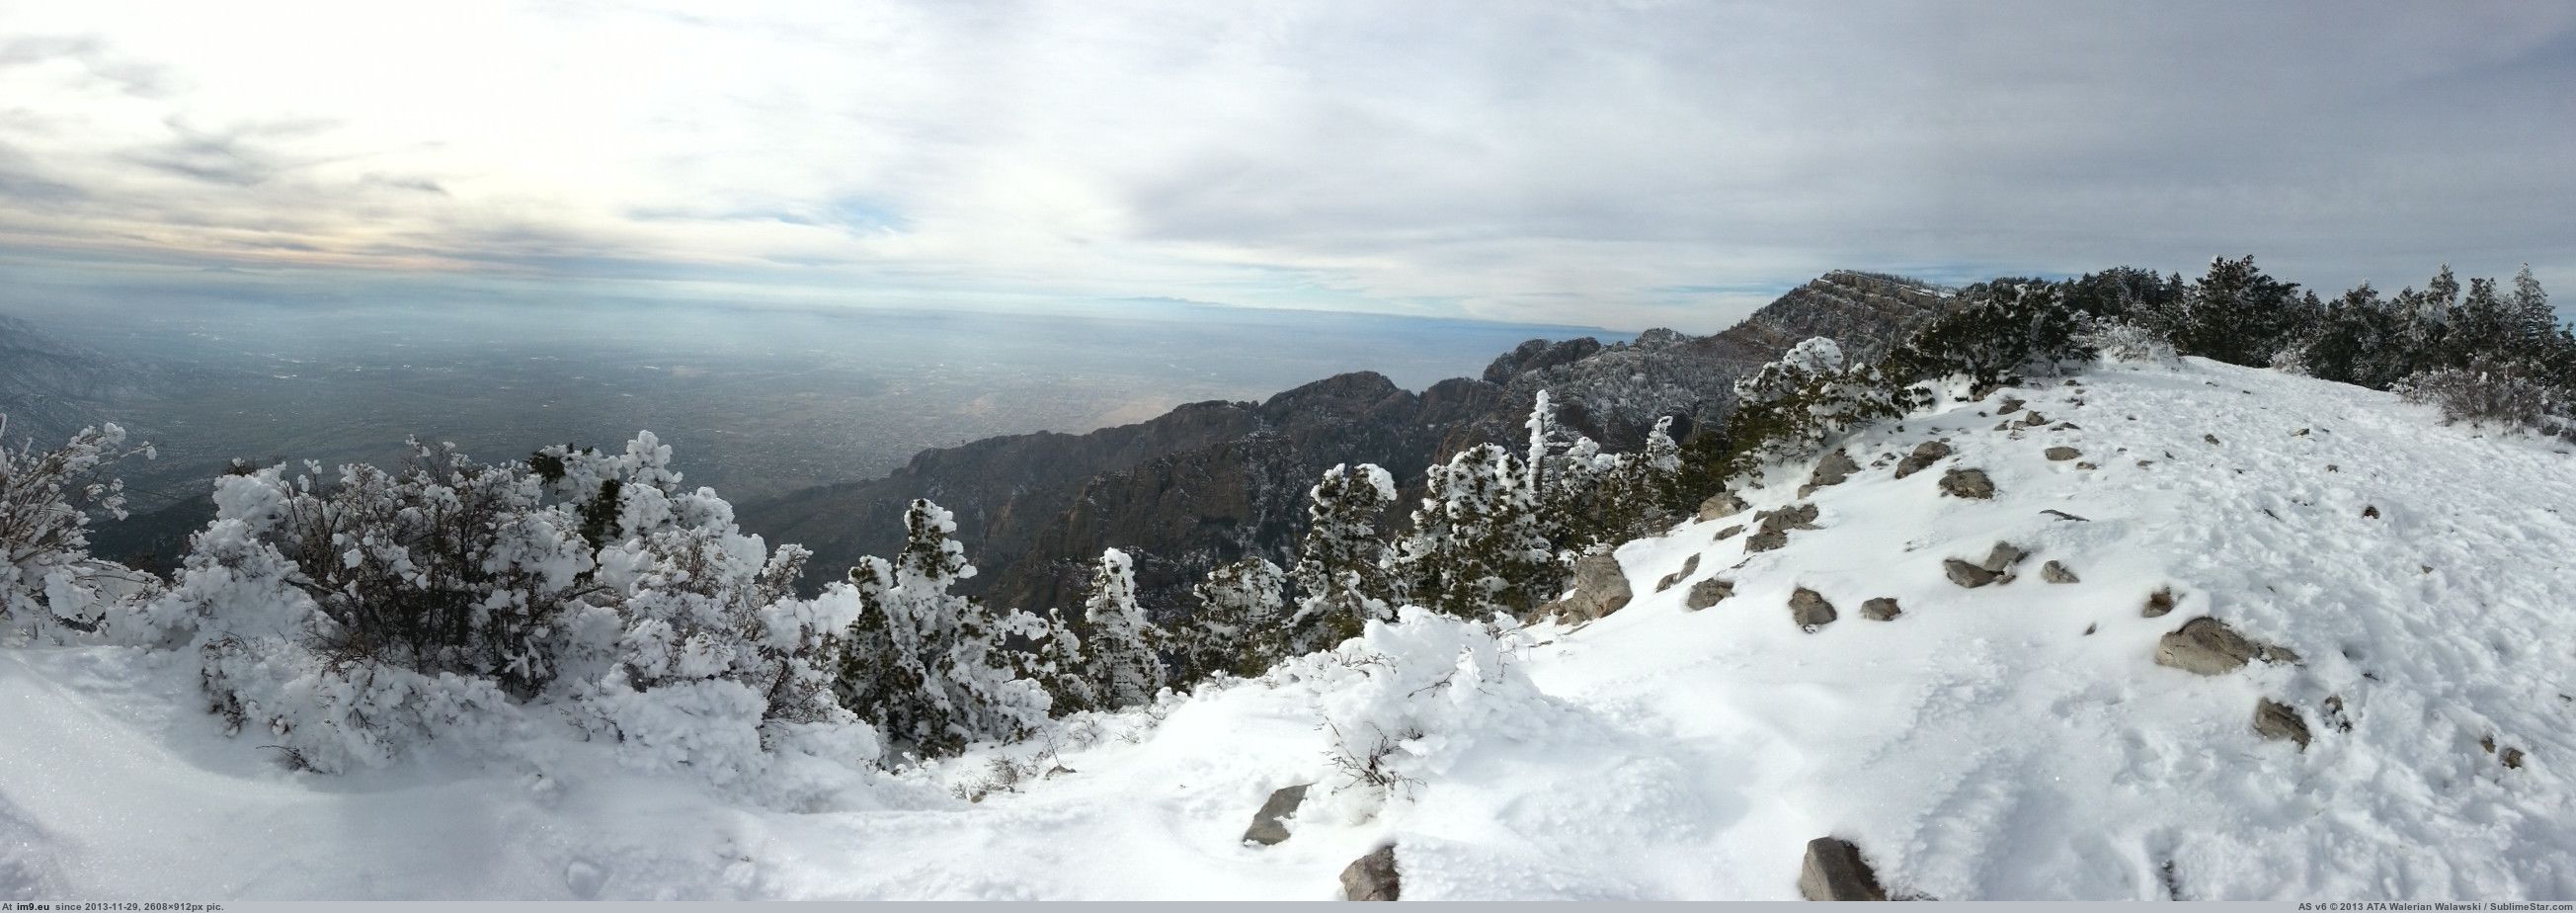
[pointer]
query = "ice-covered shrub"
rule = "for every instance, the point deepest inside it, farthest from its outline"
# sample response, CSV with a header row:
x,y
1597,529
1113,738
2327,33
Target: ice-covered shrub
x,y
1407,699
357,617
1797,407
929,667
47,501
2123,342
2496,392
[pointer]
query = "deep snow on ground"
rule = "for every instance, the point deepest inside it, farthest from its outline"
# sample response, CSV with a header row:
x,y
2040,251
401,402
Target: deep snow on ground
x,y
1982,745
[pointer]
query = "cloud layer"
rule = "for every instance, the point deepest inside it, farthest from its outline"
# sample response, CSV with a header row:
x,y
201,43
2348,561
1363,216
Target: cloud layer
x,y
1620,164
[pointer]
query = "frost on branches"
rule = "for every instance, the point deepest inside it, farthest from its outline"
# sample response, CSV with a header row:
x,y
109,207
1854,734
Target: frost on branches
x,y
47,501
1476,548
356,616
1121,649
1341,578
1408,700
928,666
1795,408
1241,626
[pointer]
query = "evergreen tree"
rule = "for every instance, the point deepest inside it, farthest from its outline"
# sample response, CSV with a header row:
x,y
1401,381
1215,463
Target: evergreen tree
x,y
1241,625
1341,580
2535,326
929,666
1475,547
1059,664
1797,407
2238,315
1121,651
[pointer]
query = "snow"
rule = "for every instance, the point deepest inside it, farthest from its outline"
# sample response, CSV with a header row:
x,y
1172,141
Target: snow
x,y
1982,745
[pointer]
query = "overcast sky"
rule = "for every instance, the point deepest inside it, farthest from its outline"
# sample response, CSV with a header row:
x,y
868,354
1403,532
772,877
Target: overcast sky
x,y
1613,164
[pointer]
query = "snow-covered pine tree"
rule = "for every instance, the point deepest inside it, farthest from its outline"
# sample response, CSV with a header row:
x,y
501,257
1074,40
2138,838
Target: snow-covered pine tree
x,y
929,666
1058,664
1475,547
1123,649
1241,625
2535,326
1341,579
47,501
1797,407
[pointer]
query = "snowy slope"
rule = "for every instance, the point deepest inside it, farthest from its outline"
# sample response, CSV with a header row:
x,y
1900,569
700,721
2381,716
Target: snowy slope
x,y
1982,745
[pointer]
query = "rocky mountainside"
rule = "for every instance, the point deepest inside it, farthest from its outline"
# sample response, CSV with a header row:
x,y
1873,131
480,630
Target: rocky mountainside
x,y
1212,482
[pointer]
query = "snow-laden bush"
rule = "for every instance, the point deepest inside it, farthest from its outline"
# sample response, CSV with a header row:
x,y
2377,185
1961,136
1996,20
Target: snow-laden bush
x,y
47,501
1341,576
1122,651
356,618
1476,546
2492,391
1798,407
2122,342
1406,700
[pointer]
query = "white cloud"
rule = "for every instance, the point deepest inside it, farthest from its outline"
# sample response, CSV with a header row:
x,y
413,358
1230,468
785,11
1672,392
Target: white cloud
x,y
1589,163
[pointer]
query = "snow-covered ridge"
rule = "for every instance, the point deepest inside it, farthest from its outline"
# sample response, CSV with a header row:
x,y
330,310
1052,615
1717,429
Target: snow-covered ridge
x,y
2011,740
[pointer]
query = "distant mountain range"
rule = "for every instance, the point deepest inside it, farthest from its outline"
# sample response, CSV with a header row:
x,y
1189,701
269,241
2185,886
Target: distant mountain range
x,y
51,388
1212,482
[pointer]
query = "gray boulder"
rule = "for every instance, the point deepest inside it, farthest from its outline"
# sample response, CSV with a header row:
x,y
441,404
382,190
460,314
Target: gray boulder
x,y
1810,610
1721,504
1967,483
1794,516
2275,720
2061,454
2010,406
2056,572
1832,470
2003,557
1269,824
1373,877
1600,588
1728,533
2159,603
2207,646
1688,565
1765,541
2034,419
1928,453
1835,871
1707,593
1881,609
1967,575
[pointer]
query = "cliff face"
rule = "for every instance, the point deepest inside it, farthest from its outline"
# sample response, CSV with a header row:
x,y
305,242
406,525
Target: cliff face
x,y
1213,482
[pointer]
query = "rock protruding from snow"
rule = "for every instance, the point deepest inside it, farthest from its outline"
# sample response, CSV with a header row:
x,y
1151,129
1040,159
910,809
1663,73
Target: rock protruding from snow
x,y
2056,572
2159,603
1269,825
1810,610
1835,871
1881,609
2061,454
1600,588
1924,455
2207,646
1689,565
1968,483
1721,504
1373,877
1966,574
1832,470
2276,720
2002,558
2010,406
1775,526
1707,593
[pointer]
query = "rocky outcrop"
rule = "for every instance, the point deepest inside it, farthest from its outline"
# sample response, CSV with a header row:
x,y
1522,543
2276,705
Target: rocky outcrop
x,y
2056,572
1269,825
1832,470
1834,870
1214,482
1968,483
1600,588
1373,877
1721,504
1707,593
1966,574
1810,610
2207,646
1883,608
2276,720
1924,455
1689,565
